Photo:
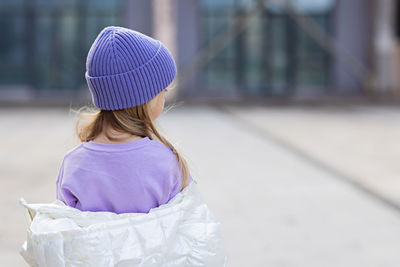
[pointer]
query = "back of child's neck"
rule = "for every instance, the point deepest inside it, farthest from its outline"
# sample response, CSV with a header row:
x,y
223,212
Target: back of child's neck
x,y
115,138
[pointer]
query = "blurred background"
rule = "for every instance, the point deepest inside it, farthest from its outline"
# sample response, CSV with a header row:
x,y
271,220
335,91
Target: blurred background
x,y
287,111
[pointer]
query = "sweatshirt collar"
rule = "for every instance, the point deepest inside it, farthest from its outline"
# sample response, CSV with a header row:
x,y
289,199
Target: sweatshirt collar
x,y
117,147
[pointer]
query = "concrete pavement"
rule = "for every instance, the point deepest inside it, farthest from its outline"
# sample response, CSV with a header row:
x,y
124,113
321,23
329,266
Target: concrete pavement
x,y
358,143
276,207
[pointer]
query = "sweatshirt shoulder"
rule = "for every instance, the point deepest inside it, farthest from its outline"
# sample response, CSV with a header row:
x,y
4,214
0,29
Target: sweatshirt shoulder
x,y
162,149
71,152
161,156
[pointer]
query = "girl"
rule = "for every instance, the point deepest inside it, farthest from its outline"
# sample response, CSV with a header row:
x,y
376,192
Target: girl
x,y
119,166
127,170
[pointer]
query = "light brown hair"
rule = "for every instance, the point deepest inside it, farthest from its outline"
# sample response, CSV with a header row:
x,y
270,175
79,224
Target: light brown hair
x,y
134,120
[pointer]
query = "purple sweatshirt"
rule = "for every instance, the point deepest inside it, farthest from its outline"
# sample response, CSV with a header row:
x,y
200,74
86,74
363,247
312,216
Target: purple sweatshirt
x,y
128,177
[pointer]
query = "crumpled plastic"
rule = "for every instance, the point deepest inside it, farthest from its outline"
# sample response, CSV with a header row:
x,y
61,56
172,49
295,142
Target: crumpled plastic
x,y
182,232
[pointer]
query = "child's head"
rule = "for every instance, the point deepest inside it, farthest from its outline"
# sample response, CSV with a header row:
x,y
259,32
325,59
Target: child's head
x,y
125,68
127,73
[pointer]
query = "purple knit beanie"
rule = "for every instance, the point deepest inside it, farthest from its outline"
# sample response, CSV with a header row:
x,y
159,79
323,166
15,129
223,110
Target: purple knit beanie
x,y
125,68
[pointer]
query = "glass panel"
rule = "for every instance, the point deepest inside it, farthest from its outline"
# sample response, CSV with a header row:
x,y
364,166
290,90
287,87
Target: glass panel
x,y
220,5
220,70
255,61
303,6
313,61
280,54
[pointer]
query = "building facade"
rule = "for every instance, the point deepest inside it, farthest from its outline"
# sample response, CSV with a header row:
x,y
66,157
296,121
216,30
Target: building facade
x,y
226,48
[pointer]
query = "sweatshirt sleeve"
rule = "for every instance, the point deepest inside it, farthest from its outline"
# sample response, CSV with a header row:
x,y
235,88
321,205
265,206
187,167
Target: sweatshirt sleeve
x,y
176,188
59,179
177,184
62,192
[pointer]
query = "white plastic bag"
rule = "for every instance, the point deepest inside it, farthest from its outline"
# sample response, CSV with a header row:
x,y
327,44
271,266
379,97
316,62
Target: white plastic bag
x,y
182,232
